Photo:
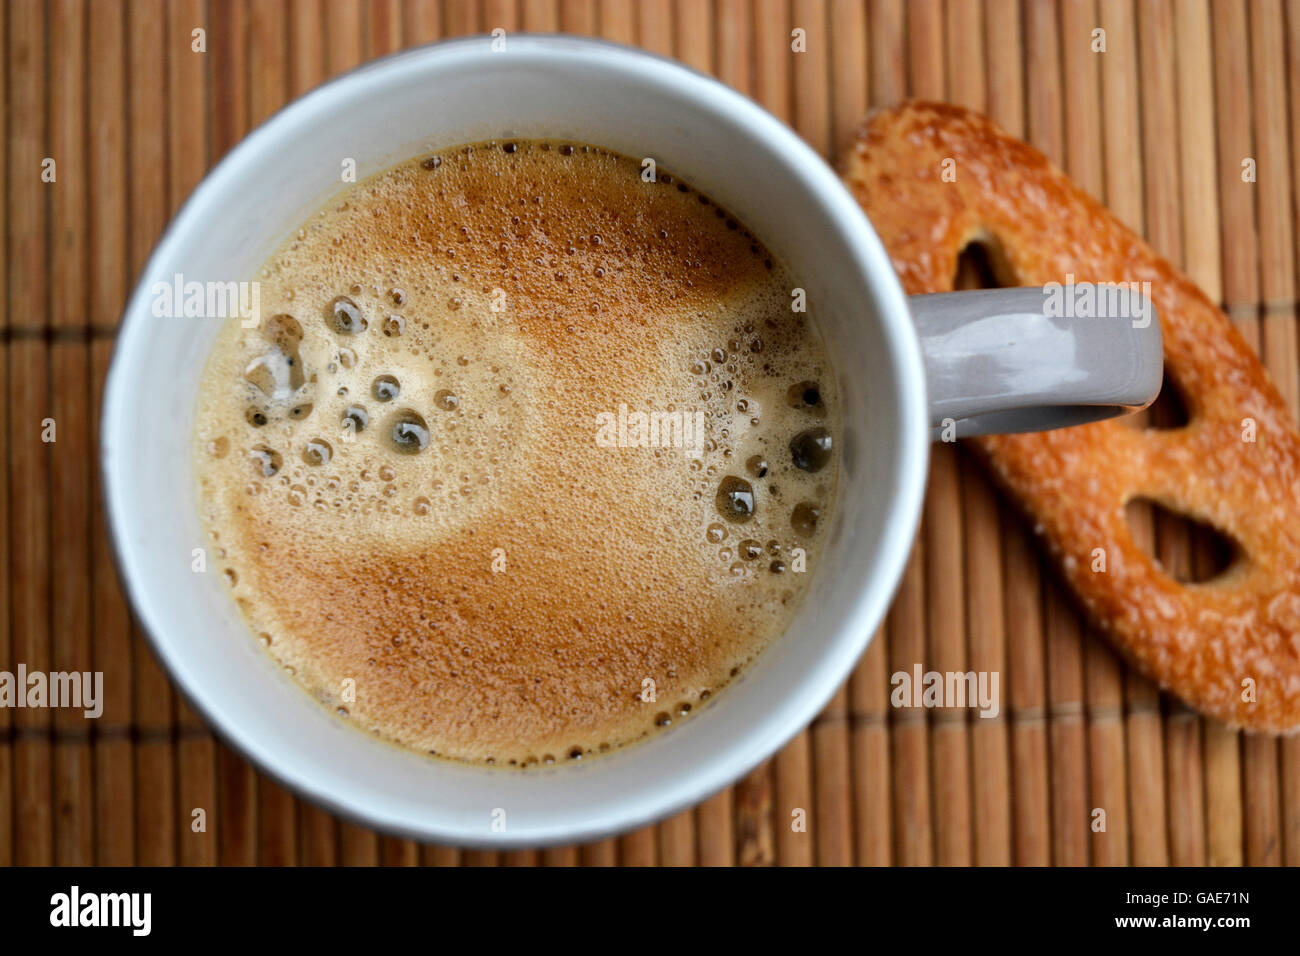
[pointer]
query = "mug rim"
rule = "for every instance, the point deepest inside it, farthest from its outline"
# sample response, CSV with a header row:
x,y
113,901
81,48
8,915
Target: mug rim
x,y
878,586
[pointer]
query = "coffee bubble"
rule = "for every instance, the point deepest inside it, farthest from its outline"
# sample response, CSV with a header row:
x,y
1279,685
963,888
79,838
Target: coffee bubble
x,y
284,331
266,460
409,433
317,452
735,499
344,316
804,518
806,394
355,418
810,450
385,388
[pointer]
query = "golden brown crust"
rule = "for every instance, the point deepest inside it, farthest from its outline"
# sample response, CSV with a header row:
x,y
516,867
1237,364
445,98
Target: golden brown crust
x,y
1231,646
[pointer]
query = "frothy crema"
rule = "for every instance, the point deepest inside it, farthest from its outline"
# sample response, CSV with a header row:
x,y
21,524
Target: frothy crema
x,y
527,456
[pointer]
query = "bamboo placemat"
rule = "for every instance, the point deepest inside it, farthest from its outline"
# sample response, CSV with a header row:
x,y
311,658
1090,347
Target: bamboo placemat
x,y
1158,126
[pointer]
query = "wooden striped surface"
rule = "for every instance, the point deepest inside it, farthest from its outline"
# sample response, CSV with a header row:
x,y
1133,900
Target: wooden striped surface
x,y
1158,126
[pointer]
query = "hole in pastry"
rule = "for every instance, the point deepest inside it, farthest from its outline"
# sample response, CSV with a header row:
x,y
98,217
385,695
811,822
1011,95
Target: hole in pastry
x,y
1195,552
982,264
974,270
1169,410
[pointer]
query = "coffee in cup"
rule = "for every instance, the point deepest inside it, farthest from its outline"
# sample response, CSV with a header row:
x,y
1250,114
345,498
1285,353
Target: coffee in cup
x,y
529,454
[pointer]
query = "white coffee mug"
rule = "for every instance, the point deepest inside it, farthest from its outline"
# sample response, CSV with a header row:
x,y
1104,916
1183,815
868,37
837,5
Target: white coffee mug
x,y
990,362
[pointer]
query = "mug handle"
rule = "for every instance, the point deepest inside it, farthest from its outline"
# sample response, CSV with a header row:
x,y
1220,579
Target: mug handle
x,y
1030,359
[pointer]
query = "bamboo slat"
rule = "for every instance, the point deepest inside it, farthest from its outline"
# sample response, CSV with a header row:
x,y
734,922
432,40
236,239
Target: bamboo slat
x,y
7,818
114,790
70,408
1241,290
29,457
1276,310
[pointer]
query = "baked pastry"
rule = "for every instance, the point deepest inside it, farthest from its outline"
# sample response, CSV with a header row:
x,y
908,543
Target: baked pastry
x,y
1229,646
